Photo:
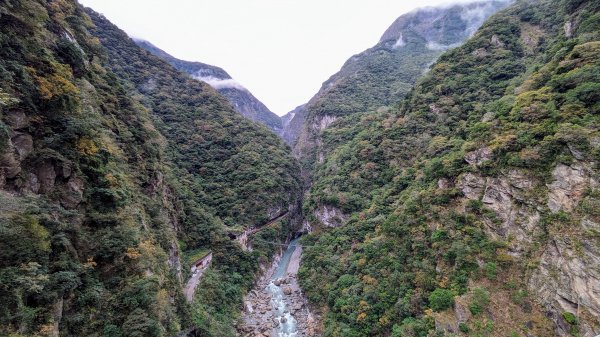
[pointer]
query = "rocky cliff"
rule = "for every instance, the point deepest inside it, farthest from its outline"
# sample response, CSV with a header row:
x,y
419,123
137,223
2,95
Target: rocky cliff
x,y
113,165
471,208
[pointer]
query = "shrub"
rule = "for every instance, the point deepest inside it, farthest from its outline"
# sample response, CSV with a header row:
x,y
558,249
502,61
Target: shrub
x,y
441,299
491,270
570,317
480,300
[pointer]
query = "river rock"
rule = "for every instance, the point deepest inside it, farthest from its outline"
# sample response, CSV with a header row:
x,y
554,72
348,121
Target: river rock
x,y
287,290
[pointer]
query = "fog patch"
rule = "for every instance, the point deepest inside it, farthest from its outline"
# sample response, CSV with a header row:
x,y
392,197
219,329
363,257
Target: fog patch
x,y
475,16
219,83
399,43
441,47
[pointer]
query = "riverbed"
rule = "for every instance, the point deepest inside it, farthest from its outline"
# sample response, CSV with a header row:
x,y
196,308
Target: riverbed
x,y
276,306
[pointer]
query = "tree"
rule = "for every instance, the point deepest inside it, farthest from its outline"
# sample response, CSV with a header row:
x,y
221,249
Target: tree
x,y
441,299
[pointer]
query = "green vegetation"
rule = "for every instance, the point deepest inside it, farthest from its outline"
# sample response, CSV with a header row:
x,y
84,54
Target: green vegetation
x,y
242,100
441,299
479,301
570,318
113,168
518,98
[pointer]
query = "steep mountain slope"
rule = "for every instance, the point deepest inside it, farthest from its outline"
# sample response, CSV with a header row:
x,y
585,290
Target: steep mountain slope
x,y
110,181
473,208
242,100
383,74
293,122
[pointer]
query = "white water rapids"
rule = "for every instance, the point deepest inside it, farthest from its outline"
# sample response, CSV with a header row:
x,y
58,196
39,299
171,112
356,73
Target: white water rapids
x,y
286,326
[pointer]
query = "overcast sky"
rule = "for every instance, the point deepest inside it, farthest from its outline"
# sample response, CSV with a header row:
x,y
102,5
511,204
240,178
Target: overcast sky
x,y
281,50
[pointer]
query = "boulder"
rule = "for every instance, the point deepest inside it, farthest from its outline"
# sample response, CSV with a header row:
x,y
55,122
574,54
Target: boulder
x,y
479,156
47,177
23,144
17,120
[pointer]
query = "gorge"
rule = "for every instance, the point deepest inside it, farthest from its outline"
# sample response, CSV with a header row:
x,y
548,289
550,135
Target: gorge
x,y
443,183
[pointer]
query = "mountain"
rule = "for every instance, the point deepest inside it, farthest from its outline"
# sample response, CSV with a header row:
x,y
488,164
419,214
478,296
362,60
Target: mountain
x,y
242,100
471,207
116,172
292,124
382,75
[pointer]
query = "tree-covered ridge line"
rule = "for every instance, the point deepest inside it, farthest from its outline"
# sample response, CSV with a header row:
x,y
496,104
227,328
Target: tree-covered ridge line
x,y
380,77
471,208
240,98
105,187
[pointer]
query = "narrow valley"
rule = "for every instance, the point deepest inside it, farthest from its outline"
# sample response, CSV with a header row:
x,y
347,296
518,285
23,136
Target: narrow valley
x,y
445,182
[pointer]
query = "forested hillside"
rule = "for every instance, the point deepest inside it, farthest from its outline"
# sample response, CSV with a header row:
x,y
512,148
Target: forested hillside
x,y
471,209
242,100
114,169
382,75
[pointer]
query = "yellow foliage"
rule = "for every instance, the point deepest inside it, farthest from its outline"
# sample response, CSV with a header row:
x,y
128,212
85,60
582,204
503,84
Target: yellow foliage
x,y
87,146
133,253
60,9
112,180
56,84
503,141
528,98
90,263
47,330
361,316
369,280
529,154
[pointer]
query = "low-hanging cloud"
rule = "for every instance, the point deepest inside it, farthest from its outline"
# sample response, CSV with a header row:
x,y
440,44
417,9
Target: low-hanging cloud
x,y
438,46
219,83
476,15
399,43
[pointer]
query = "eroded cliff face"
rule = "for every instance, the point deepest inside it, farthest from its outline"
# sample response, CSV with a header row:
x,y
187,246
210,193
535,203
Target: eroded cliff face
x,y
562,269
378,78
103,183
473,207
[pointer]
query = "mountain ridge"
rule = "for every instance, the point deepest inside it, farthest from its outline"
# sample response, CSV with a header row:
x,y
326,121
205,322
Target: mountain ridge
x,y
240,98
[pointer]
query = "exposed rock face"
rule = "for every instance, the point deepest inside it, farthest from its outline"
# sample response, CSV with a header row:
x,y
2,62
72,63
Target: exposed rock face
x,y
46,176
505,195
17,119
570,182
72,193
292,124
565,280
479,156
23,144
331,216
324,122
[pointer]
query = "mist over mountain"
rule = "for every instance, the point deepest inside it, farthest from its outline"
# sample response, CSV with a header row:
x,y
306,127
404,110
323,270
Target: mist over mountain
x,y
242,100
382,75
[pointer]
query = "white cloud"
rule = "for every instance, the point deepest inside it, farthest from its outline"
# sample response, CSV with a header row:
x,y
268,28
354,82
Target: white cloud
x,y
219,83
438,46
399,43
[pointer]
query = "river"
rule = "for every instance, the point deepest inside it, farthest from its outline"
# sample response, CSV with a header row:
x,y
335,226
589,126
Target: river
x,y
286,326
276,307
